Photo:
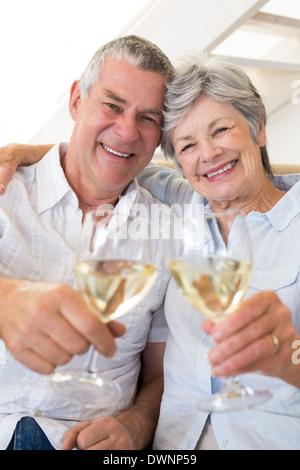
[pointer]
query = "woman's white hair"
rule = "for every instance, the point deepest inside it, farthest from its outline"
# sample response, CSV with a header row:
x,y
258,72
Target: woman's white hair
x,y
202,74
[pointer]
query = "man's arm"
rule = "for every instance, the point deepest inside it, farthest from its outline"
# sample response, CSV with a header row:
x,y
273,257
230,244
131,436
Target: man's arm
x,y
44,324
13,155
142,418
134,429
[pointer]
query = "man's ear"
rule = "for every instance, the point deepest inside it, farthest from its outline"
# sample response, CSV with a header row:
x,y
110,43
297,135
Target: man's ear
x,y
75,98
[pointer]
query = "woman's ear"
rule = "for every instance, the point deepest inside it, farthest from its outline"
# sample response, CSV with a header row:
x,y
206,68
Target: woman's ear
x,y
75,98
262,140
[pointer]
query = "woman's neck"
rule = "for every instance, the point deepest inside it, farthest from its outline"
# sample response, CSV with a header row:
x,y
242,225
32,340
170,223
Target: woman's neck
x,y
261,200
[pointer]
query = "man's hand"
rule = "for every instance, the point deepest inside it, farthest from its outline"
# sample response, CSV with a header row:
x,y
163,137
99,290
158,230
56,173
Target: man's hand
x,y
246,340
44,324
13,155
98,434
134,428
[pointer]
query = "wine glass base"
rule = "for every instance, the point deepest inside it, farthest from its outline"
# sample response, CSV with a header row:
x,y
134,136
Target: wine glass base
x,y
87,388
234,400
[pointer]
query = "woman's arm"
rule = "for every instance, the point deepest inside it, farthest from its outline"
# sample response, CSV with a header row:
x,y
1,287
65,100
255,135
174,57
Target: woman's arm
x,y
14,155
166,184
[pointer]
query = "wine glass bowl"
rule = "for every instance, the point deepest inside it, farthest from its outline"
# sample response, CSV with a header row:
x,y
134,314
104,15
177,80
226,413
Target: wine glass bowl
x,y
113,287
213,286
116,266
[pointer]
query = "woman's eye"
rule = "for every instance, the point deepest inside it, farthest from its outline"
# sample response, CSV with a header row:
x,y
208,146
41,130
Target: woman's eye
x,y
187,147
220,130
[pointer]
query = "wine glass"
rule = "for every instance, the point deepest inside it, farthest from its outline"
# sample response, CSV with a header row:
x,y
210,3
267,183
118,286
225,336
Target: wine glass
x,y
116,266
213,273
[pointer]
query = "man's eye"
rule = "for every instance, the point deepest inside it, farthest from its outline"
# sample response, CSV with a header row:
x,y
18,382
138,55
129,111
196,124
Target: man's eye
x,y
149,118
112,106
152,120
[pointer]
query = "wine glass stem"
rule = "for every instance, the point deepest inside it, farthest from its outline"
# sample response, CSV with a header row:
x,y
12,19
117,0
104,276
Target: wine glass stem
x,y
91,357
233,388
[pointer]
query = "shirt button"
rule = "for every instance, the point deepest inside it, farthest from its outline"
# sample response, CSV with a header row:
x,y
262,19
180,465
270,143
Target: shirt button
x,y
224,442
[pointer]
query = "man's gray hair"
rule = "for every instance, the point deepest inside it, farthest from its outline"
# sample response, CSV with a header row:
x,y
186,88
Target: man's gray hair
x,y
138,51
202,74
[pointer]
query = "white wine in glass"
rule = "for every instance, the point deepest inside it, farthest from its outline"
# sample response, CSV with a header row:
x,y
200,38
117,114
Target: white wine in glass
x,y
213,286
112,287
116,266
214,279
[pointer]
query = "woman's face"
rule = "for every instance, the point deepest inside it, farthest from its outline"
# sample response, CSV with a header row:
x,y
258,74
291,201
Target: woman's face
x,y
217,153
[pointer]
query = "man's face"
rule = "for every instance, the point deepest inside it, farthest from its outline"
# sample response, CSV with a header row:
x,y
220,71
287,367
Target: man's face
x,y
118,126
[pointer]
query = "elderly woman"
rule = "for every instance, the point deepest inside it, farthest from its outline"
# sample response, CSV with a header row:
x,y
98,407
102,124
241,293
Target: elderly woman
x,y
215,131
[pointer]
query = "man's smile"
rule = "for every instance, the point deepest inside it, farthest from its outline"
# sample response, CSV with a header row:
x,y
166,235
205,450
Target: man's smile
x,y
116,153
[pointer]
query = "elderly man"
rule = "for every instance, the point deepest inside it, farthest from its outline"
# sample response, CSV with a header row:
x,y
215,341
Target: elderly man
x,y
117,107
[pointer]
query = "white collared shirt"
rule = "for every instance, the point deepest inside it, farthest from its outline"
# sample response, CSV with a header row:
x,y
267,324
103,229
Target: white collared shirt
x,y
40,223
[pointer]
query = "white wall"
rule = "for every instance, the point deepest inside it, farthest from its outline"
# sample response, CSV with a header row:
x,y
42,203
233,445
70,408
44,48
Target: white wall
x,y
283,134
57,129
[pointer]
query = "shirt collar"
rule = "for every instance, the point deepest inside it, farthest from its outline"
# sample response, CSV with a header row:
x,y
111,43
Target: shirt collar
x,y
287,208
129,197
52,184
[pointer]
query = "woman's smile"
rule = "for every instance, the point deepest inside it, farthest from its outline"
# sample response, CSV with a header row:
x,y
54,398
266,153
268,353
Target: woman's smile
x,y
220,170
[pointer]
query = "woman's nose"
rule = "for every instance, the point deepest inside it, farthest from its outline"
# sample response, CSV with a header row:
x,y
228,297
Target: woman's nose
x,y
209,149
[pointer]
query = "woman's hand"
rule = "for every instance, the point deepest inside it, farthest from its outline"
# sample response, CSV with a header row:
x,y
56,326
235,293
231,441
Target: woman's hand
x,y
14,155
257,337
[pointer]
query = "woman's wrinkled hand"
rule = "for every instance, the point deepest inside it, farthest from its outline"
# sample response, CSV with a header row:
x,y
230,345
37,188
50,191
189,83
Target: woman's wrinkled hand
x,y
14,155
257,337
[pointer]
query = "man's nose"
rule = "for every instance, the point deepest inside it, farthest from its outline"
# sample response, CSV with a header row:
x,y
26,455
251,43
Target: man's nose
x,y
127,129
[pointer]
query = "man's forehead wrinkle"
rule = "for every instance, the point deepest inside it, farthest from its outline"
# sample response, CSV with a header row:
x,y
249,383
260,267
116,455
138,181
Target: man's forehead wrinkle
x,y
111,94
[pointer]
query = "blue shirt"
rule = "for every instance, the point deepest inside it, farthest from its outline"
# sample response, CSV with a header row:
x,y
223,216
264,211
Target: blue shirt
x,y
275,424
